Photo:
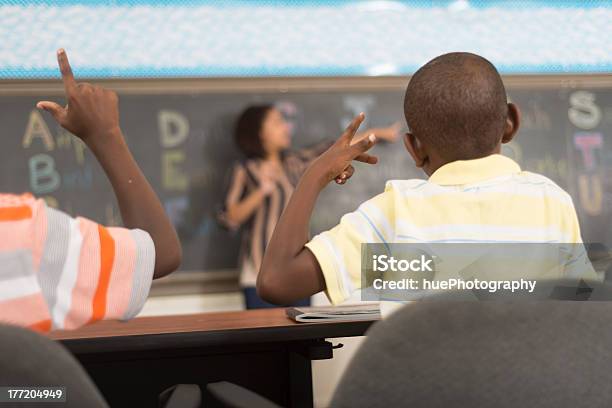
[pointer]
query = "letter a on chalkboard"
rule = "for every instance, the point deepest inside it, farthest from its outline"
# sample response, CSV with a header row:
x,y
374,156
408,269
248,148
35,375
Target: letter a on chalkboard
x,y
37,128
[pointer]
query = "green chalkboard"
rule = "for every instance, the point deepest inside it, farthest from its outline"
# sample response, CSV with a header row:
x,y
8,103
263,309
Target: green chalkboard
x,y
184,145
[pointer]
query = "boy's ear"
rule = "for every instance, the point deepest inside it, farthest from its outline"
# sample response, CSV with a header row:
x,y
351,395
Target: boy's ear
x,y
415,149
513,122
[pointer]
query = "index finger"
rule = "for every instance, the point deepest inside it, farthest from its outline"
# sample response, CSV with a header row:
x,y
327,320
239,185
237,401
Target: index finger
x,y
351,129
67,76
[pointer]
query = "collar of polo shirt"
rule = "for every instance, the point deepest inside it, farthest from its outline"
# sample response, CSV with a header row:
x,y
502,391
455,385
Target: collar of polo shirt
x,y
473,171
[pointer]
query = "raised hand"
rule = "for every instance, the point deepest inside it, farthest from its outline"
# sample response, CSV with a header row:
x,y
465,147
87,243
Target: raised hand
x,y
91,111
390,134
335,163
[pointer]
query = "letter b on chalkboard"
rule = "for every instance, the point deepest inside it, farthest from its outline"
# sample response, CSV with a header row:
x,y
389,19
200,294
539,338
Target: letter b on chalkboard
x,y
43,176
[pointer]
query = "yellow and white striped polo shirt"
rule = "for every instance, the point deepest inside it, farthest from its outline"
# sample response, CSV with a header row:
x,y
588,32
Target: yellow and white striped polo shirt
x,y
482,200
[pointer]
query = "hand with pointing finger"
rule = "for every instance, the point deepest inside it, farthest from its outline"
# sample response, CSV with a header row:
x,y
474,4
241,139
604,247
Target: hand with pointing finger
x,y
91,112
335,163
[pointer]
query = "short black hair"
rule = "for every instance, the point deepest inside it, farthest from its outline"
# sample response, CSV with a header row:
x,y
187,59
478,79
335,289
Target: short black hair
x,y
457,103
247,132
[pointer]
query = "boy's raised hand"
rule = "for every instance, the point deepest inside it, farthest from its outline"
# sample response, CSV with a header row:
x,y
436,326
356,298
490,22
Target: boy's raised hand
x,y
91,111
92,114
335,163
289,271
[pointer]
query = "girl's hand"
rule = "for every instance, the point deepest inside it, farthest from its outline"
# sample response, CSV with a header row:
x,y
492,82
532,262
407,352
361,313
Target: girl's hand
x,y
269,174
267,186
391,133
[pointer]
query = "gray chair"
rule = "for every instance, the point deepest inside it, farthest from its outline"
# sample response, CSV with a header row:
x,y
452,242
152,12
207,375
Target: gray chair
x,y
29,359
486,354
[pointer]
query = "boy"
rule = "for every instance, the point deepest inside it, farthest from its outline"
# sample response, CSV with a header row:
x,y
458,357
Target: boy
x,y
458,116
57,272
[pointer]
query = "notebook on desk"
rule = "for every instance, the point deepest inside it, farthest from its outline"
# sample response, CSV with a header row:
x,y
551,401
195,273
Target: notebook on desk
x,y
368,311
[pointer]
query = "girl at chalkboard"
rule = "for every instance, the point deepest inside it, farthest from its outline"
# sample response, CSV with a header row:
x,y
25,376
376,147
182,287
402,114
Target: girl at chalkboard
x,y
261,185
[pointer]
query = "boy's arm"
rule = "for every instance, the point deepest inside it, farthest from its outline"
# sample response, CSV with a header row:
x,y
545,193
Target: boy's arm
x,y
92,114
289,270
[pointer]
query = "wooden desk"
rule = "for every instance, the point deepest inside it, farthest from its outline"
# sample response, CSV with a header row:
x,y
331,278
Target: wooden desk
x,y
260,349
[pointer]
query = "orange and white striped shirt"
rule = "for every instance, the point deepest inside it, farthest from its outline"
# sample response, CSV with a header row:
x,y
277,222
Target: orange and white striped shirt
x,y
58,272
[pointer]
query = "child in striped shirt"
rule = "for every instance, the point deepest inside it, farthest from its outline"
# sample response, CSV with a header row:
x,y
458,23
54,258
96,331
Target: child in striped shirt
x,y
57,272
458,115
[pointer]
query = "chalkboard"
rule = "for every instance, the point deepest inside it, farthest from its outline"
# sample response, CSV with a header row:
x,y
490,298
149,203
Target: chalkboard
x,y
184,145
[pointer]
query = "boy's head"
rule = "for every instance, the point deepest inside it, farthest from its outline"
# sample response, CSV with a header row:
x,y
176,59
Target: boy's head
x,y
456,109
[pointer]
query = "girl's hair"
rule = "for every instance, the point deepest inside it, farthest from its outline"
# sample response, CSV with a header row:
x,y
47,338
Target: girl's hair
x,y
247,133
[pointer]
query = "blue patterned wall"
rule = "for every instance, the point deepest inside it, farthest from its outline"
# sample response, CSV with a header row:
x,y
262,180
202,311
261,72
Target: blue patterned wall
x,y
260,38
